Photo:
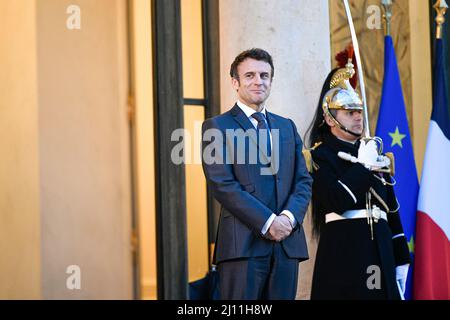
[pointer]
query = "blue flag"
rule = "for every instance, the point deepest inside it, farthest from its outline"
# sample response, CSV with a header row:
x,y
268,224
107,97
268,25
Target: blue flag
x,y
393,128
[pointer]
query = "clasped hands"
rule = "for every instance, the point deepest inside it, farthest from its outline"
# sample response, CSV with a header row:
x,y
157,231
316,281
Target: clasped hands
x,y
280,228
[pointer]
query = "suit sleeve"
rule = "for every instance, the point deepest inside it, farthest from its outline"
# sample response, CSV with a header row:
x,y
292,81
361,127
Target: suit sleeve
x,y
225,187
342,192
300,195
399,241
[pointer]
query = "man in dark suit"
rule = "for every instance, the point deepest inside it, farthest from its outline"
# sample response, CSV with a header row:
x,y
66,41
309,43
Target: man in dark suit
x,y
254,165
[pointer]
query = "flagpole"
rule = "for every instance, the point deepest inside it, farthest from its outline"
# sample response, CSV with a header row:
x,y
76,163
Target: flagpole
x,y
441,8
387,5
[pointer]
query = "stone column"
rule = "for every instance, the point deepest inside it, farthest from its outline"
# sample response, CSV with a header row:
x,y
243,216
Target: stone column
x,y
296,33
20,270
65,170
83,149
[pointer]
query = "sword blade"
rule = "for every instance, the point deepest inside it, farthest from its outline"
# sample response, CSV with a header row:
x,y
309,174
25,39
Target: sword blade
x,y
360,68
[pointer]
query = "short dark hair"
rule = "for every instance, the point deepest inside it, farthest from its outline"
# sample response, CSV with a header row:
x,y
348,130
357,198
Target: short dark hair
x,y
256,54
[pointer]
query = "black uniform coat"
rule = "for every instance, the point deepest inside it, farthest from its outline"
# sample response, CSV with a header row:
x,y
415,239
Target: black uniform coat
x,y
347,256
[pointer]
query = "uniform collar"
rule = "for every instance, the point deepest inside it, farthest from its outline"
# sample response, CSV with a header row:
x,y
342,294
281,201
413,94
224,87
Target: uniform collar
x,y
340,145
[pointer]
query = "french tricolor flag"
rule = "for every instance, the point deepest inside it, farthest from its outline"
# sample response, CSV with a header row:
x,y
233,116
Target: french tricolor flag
x,y
432,248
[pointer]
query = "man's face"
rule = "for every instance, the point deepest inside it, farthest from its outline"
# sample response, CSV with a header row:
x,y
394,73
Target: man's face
x,y
254,84
352,120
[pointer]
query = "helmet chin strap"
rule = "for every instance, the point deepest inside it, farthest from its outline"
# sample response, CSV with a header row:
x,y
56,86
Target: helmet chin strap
x,y
342,127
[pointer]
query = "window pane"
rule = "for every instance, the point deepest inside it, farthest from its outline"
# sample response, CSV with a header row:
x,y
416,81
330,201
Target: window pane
x,y
196,195
192,46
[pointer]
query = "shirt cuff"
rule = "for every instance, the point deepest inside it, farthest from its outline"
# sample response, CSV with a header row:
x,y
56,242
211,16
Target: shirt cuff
x,y
402,271
291,217
268,224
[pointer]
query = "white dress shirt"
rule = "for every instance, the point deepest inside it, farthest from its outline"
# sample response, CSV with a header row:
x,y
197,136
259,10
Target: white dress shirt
x,y
249,112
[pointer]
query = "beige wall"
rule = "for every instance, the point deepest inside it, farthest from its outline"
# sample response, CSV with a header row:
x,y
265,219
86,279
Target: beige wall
x,y
298,39
65,193
296,33
19,167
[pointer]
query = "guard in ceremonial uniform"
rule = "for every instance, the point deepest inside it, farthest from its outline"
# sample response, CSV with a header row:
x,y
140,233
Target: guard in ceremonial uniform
x,y
362,251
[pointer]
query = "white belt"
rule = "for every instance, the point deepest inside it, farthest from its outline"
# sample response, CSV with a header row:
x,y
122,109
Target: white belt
x,y
377,213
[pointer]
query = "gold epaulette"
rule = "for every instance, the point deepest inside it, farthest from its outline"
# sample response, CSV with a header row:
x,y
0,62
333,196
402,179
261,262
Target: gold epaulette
x,y
391,157
310,165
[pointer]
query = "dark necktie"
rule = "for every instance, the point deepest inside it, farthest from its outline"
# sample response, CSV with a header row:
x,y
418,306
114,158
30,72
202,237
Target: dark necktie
x,y
264,135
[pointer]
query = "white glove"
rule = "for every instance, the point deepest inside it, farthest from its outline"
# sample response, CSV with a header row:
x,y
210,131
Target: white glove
x,y
401,274
367,153
369,157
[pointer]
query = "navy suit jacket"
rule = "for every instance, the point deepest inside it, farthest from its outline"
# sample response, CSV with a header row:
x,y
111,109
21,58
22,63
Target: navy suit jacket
x,y
245,195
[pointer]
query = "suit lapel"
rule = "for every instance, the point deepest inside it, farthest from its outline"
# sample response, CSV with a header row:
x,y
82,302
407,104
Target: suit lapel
x,y
244,122
241,118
